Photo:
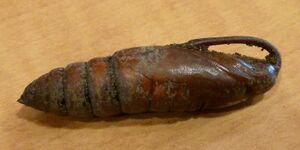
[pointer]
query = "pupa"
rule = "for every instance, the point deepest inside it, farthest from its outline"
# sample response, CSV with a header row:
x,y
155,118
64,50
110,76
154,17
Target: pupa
x,y
185,77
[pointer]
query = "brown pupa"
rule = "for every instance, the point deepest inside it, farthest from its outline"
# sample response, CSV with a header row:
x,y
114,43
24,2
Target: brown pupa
x,y
171,78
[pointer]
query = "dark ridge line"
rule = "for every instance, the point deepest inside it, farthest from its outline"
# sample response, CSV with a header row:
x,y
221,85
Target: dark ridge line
x,y
149,98
63,103
114,80
202,106
47,107
189,107
87,93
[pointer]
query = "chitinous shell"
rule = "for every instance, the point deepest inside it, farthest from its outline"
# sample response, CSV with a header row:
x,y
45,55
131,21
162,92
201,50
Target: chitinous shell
x,y
170,78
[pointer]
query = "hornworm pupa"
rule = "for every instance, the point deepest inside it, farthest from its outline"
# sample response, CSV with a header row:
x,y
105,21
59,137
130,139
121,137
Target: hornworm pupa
x,y
170,78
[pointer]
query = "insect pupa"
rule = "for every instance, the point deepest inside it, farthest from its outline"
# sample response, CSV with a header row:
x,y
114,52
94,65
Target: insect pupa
x,y
172,78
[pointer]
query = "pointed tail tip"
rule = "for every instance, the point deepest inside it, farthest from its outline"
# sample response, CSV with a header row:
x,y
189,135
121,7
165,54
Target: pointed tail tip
x,y
20,100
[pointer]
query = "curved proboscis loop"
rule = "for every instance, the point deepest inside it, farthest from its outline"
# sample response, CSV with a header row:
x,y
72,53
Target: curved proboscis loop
x,y
273,57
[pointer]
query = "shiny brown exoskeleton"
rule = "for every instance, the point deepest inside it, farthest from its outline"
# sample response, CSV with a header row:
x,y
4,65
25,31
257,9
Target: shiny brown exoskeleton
x,y
171,78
